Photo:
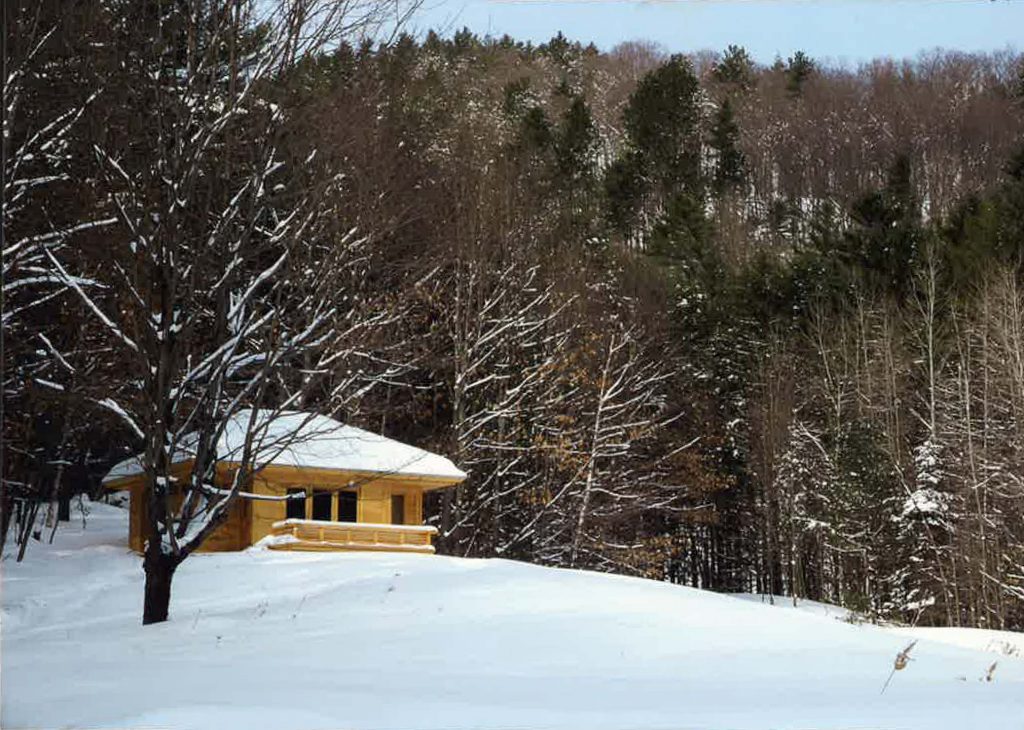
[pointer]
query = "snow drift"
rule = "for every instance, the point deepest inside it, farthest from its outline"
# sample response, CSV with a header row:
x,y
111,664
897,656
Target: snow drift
x,y
263,639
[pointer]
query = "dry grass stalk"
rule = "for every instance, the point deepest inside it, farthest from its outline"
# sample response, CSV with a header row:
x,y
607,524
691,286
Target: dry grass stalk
x,y
899,664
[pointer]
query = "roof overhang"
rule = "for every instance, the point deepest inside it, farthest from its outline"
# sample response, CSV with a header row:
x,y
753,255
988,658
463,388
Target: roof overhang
x,y
299,476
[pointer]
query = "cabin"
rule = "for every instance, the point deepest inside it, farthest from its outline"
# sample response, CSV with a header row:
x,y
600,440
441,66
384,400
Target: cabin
x,y
317,484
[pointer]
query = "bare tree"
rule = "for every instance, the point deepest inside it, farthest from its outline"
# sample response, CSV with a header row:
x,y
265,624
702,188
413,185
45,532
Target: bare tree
x,y
505,330
209,290
48,95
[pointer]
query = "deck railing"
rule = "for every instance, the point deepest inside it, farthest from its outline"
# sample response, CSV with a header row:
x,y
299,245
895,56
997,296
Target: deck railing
x,y
295,534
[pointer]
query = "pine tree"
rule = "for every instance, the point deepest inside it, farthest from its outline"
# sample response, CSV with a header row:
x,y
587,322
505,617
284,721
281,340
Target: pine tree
x,y
867,497
560,48
624,190
684,240
575,158
736,67
730,163
799,68
662,122
535,130
463,43
1010,203
889,236
576,144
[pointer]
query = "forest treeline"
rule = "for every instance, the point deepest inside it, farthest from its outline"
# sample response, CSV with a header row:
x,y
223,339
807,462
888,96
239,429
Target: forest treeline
x,y
743,327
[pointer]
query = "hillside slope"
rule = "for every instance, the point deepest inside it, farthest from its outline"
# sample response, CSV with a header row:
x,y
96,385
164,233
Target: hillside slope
x,y
272,640
1005,643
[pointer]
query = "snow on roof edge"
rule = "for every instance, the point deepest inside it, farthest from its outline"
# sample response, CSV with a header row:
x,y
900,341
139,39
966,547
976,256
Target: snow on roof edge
x,y
326,444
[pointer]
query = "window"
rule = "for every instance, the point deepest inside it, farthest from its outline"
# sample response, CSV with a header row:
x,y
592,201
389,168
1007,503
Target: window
x,y
398,509
295,508
347,502
322,505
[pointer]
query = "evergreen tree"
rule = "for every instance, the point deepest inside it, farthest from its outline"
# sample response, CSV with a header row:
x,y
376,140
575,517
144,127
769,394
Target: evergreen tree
x,y
684,239
866,499
736,67
560,49
1010,201
433,42
576,144
799,68
662,122
575,148
624,189
516,97
889,235
535,130
968,241
730,163
463,43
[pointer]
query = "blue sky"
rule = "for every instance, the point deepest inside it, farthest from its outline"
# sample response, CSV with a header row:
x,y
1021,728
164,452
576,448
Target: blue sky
x,y
841,30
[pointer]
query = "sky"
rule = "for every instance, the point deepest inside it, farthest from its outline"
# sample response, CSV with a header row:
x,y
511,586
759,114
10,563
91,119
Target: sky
x,y
844,31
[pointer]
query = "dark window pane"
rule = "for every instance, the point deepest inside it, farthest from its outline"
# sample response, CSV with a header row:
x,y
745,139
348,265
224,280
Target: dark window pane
x,y
398,509
347,506
295,508
322,505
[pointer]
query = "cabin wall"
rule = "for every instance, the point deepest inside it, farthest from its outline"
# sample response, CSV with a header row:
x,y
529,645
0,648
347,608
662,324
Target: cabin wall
x,y
233,534
251,520
136,521
374,503
413,505
266,513
414,508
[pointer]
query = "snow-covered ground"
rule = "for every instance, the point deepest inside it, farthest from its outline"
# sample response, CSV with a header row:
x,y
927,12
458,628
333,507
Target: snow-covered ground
x,y
265,639
813,608
1007,643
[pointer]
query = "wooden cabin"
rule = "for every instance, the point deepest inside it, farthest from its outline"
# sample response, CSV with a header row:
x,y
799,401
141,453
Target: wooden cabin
x,y
350,489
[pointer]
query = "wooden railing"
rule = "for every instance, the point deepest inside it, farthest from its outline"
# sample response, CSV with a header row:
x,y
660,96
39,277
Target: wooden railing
x,y
294,534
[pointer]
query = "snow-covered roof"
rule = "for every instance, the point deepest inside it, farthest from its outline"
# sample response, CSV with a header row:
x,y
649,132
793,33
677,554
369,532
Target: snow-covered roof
x,y
310,441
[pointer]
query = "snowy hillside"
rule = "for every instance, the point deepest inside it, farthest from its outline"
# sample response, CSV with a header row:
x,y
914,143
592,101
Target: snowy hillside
x,y
1007,643
274,640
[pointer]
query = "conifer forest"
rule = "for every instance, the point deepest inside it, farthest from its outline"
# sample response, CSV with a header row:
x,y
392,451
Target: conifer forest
x,y
741,326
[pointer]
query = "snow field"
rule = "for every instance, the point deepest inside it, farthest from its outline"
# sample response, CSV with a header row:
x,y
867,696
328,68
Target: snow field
x,y
264,639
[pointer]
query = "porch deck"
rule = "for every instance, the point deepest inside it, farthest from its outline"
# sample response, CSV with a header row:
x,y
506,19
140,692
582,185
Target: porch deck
x,y
296,534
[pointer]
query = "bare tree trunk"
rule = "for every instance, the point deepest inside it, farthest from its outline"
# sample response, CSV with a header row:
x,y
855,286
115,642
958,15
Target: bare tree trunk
x,y
159,568
5,516
64,503
29,515
52,509
592,461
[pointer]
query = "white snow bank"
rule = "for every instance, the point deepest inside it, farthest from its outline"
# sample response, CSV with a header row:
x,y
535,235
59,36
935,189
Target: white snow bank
x,y
1007,643
312,441
812,608
267,639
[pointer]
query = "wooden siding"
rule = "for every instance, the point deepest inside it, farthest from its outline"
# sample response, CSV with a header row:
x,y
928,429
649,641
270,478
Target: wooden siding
x,y
233,534
320,535
266,513
373,505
